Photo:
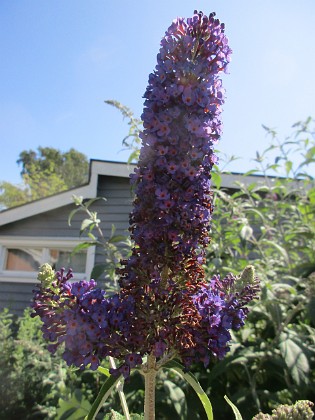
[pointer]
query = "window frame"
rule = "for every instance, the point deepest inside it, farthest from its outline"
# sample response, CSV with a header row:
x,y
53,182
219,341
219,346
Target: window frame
x,y
65,243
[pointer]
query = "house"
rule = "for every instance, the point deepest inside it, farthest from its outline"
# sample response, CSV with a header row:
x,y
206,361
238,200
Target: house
x,y
38,232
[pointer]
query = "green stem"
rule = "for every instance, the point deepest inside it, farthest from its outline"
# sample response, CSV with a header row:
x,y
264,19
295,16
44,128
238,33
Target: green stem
x,y
120,390
150,373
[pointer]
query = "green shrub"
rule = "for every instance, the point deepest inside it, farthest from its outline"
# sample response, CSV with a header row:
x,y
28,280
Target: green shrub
x,y
271,223
32,380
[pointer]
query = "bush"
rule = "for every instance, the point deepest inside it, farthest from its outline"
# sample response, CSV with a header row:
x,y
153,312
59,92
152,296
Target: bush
x,y
271,223
32,381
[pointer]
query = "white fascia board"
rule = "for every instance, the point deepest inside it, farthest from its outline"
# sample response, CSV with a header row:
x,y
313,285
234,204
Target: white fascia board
x,y
119,169
48,241
43,205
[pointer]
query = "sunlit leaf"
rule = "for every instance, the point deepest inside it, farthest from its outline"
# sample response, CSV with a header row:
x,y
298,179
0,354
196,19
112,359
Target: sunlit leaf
x,y
236,412
192,380
294,358
104,393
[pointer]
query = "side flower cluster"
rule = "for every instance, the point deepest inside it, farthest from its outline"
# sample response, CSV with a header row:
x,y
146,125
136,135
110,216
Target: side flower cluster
x,y
90,326
165,307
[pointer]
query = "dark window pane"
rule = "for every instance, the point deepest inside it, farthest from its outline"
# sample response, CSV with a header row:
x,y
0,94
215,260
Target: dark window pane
x,y
62,258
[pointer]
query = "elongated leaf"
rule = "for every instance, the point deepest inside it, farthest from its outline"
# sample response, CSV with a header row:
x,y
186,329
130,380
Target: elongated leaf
x,y
82,246
85,224
257,212
192,380
216,179
236,412
279,248
104,393
104,371
72,213
288,166
133,156
117,238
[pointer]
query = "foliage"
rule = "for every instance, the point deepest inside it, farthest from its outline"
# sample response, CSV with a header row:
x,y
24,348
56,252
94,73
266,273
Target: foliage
x,y
113,249
270,221
132,141
301,410
43,173
32,381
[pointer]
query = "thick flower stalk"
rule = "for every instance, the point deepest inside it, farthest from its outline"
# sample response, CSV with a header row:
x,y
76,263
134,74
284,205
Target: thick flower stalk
x,y
165,307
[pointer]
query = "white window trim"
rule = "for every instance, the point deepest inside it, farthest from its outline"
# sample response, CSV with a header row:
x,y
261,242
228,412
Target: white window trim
x,y
36,242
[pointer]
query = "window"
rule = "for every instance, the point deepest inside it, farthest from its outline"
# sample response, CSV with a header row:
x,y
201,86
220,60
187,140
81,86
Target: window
x,y
23,259
20,258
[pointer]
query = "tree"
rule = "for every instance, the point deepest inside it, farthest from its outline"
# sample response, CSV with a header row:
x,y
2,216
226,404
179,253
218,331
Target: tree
x,y
44,172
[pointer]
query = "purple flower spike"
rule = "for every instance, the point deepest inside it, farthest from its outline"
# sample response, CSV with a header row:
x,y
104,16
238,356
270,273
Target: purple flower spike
x,y
181,121
165,307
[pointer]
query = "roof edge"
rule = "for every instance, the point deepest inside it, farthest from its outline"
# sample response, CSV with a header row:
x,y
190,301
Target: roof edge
x,y
89,190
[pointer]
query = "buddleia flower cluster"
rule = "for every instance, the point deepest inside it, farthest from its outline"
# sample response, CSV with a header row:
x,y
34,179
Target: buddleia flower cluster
x,y
165,306
301,410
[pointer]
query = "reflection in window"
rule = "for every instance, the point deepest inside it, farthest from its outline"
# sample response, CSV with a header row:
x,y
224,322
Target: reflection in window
x,y
63,258
23,259
30,259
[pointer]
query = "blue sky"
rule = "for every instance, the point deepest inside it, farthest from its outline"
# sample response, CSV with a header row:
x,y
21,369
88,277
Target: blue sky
x,y
60,59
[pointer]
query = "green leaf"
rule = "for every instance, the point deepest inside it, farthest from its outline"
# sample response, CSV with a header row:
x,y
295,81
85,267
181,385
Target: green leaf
x,y
85,224
98,270
310,154
82,246
250,172
279,248
192,380
73,409
236,412
72,213
133,156
104,393
216,179
117,238
288,167
104,371
177,397
294,358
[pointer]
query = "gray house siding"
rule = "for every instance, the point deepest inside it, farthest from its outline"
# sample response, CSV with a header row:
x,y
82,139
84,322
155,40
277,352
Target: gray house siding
x,y
15,296
52,223
114,211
